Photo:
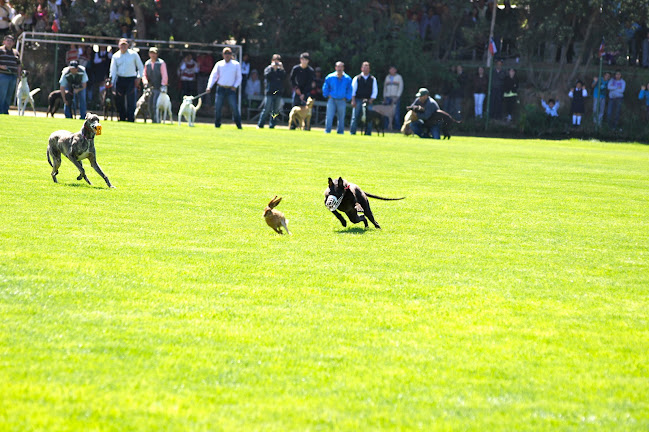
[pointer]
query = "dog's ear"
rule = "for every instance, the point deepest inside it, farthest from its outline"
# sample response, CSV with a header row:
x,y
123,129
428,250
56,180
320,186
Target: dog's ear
x,y
88,114
341,182
331,183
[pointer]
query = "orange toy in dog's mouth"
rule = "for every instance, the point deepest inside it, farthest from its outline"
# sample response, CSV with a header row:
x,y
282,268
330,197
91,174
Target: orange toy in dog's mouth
x,y
98,130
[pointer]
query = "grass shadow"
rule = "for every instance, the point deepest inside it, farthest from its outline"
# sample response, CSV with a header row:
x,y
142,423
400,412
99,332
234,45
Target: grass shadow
x,y
82,185
353,230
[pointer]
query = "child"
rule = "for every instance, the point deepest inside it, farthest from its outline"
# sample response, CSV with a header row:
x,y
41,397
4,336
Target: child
x,y
577,95
644,94
551,108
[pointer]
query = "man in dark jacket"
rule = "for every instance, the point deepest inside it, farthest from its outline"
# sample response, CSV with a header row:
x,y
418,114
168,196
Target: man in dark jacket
x,y
424,106
274,74
302,77
497,90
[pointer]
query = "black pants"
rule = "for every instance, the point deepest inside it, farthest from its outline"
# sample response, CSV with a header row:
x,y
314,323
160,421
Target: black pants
x,y
125,98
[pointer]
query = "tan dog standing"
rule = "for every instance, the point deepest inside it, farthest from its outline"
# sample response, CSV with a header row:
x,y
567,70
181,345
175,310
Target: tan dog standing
x,y
301,116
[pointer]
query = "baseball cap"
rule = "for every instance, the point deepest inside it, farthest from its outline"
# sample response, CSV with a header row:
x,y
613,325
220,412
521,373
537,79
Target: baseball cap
x,y
74,64
153,50
123,41
422,92
11,37
227,50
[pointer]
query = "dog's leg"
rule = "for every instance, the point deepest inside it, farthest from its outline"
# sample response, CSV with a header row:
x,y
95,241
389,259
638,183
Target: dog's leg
x,y
354,217
55,162
93,163
340,218
82,172
370,216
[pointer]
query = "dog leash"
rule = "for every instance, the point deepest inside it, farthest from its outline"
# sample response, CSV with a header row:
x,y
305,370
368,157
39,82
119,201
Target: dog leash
x,y
202,94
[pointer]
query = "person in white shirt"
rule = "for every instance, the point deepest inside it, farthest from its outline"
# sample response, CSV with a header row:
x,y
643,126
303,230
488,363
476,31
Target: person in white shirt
x,y
227,76
392,91
126,70
363,87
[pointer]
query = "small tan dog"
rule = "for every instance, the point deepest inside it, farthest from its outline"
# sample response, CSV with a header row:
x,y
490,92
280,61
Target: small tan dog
x,y
275,218
410,117
301,116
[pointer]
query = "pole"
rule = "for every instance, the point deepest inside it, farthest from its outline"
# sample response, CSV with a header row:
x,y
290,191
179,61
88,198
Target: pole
x,y
490,60
55,81
599,94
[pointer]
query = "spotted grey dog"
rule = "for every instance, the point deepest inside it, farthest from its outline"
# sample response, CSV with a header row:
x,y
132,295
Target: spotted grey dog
x,y
351,200
76,147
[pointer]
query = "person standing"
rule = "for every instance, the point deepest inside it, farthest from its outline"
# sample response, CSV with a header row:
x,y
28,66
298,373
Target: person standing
x,y
364,87
480,85
337,89
205,65
9,68
456,93
497,90
155,76
245,72
600,88
392,91
74,79
644,95
274,74
302,75
616,87
425,106
578,94
187,72
126,71
6,14
227,76
510,95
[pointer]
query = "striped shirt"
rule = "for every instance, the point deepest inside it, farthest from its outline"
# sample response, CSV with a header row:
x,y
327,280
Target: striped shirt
x,y
125,65
10,59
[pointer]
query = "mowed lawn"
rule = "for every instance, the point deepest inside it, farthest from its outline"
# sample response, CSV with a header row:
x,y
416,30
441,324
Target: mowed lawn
x,y
508,291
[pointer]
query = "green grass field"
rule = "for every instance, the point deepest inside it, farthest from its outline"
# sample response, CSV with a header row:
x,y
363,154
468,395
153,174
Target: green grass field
x,y
509,291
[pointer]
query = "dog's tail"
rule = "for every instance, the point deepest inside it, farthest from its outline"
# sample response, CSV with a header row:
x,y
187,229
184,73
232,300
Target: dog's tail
x,y
198,105
48,157
33,92
382,198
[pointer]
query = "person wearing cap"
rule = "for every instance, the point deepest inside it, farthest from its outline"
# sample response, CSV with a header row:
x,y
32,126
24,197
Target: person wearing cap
x,y
302,75
9,69
364,87
155,77
126,70
425,106
316,85
337,89
227,76
74,79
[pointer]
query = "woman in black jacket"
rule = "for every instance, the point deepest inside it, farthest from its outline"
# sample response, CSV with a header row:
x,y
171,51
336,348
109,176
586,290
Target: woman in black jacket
x,y
511,94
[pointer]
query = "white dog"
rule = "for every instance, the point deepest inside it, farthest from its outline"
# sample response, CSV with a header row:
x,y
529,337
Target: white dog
x,y
163,107
23,95
188,110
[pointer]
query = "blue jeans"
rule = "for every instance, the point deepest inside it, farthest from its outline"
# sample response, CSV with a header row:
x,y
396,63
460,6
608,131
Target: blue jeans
x,y
396,121
598,104
335,107
79,102
614,108
272,107
125,98
357,113
7,91
422,131
222,94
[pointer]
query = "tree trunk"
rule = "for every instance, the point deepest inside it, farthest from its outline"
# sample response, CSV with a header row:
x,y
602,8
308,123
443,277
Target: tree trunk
x,y
141,20
591,22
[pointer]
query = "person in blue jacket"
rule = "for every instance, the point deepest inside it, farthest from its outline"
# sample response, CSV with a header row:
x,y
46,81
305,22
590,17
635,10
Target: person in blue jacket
x,y
644,94
337,89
